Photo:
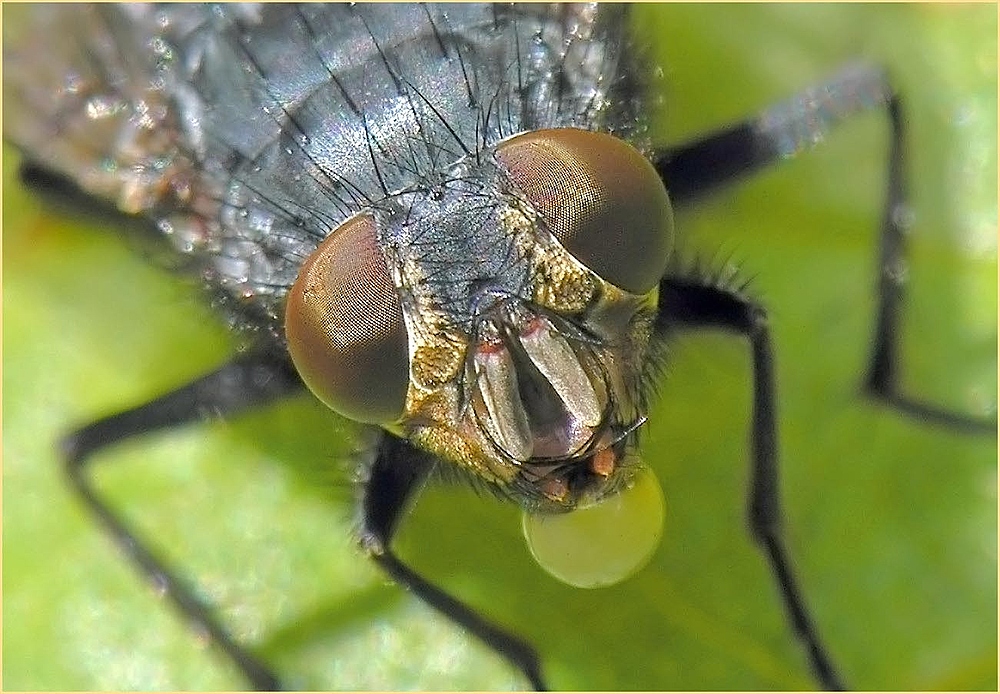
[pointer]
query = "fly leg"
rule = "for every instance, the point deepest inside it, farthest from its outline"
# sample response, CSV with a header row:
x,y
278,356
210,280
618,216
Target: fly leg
x,y
882,381
698,303
397,472
247,381
63,196
696,169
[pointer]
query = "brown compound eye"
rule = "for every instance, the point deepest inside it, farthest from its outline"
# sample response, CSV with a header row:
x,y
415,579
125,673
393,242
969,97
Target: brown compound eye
x,y
600,198
345,327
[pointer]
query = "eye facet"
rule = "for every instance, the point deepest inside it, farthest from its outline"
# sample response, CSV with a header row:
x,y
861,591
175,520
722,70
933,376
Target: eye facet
x,y
345,327
600,198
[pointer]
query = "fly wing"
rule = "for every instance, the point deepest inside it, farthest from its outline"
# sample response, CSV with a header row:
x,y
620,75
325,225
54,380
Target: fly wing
x,y
102,94
84,96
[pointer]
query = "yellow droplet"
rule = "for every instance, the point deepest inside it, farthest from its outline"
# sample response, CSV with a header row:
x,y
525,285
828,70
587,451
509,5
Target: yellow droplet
x,y
603,544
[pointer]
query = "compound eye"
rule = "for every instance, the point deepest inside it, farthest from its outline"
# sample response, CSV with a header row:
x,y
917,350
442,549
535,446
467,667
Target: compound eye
x,y
345,327
600,198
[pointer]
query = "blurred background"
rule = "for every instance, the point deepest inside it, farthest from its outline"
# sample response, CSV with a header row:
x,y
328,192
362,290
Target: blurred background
x,y
891,523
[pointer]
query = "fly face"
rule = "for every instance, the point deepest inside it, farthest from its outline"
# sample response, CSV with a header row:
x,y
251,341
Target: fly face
x,y
474,326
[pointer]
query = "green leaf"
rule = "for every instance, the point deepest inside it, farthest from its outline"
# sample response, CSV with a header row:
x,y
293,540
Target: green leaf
x,y
891,522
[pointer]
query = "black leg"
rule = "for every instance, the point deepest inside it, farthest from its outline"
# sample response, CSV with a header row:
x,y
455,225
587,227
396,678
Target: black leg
x,y
698,303
699,168
62,195
396,473
245,382
882,381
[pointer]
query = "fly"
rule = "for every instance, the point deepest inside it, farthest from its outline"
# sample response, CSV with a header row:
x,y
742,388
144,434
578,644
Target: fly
x,y
449,223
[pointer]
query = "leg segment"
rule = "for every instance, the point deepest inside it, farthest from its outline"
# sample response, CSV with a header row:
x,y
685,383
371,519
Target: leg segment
x,y
62,195
245,382
882,379
691,303
698,168
395,475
